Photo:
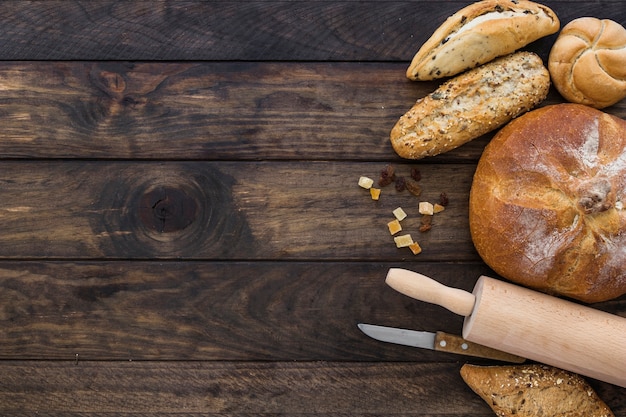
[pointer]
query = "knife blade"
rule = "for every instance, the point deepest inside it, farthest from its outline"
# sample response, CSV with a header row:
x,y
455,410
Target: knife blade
x,y
439,341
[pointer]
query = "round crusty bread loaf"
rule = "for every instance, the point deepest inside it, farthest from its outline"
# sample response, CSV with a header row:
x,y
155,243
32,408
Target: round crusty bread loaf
x,y
547,202
587,62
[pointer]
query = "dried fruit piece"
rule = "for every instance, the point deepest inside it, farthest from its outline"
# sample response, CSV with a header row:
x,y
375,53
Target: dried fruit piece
x,y
425,223
410,182
403,241
416,174
413,187
415,248
366,182
387,176
400,184
394,226
399,214
426,208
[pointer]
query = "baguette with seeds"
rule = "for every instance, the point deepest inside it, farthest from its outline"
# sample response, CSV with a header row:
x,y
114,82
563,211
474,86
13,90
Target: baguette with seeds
x,y
471,105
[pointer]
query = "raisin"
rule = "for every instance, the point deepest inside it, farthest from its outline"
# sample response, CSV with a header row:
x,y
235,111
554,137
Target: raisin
x,y
384,181
416,174
413,187
400,184
387,176
443,199
425,223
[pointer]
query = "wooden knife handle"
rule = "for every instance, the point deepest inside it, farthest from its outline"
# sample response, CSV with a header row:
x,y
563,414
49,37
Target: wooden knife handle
x,y
445,342
426,289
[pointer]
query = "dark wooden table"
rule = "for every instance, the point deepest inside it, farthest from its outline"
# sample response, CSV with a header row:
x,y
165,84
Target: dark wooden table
x,y
181,230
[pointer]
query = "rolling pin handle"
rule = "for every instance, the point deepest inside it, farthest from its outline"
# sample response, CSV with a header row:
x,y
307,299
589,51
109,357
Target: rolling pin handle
x,y
426,289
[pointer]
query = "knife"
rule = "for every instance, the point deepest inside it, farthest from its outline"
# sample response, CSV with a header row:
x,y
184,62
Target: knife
x,y
439,341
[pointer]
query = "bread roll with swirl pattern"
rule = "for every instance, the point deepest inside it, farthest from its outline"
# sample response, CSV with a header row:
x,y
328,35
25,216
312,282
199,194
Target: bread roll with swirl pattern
x,y
587,62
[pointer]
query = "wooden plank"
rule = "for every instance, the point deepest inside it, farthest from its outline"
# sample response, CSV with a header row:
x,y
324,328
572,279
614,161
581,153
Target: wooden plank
x,y
253,30
249,388
189,111
223,210
241,111
219,310
237,389
203,111
214,311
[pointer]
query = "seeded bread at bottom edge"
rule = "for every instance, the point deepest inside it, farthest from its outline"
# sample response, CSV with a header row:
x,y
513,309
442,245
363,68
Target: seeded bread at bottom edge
x,y
534,391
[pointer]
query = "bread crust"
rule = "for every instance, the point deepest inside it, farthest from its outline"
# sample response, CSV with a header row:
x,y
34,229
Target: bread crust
x,y
547,202
470,105
466,40
588,62
534,390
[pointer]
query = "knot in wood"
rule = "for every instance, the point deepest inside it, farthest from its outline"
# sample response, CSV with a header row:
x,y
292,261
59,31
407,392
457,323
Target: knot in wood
x,y
167,209
112,83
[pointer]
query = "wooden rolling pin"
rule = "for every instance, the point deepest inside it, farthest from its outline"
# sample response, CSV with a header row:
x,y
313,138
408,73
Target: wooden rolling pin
x,y
530,324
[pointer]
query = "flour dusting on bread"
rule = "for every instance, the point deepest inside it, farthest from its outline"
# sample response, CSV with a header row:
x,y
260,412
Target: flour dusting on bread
x,y
589,150
551,186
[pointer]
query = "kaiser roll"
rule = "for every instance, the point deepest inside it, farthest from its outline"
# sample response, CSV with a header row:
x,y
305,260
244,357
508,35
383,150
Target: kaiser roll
x,y
547,202
587,62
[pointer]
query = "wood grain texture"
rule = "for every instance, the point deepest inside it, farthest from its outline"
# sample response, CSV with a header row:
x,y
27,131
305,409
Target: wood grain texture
x,y
248,388
215,310
231,389
284,311
252,30
211,111
242,111
181,232
223,210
